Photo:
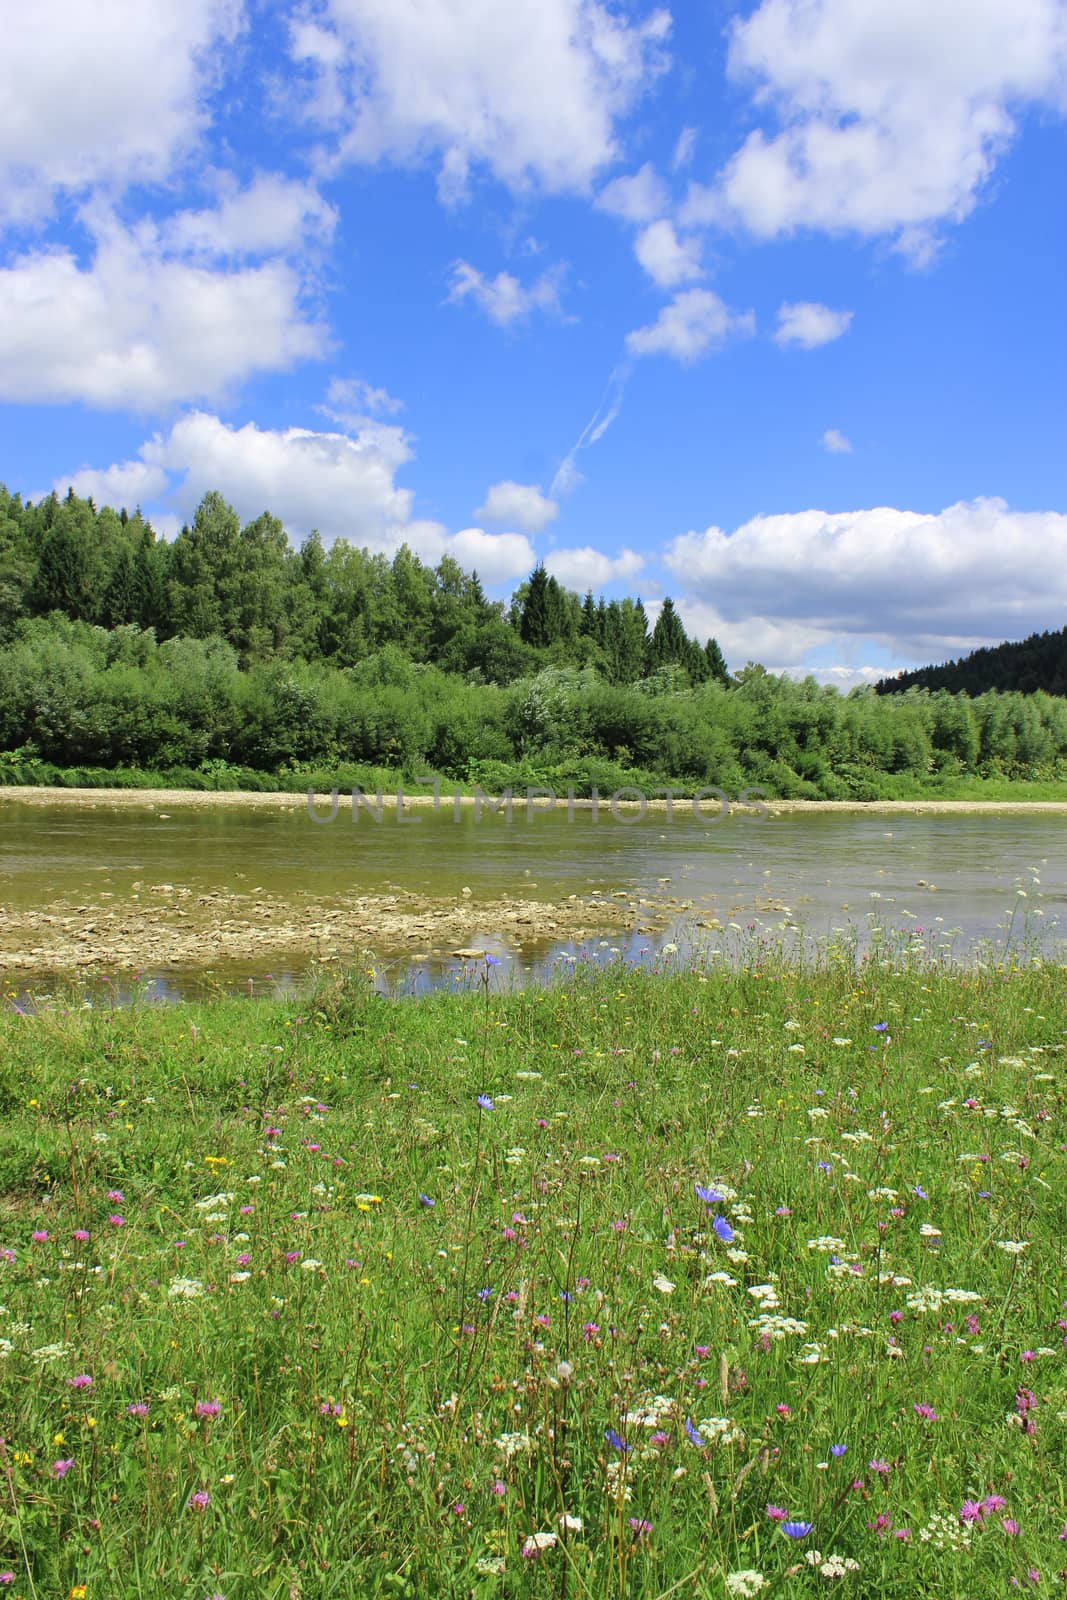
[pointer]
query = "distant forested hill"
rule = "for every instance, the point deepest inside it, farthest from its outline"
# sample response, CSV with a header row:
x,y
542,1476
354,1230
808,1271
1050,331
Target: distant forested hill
x,y
1039,662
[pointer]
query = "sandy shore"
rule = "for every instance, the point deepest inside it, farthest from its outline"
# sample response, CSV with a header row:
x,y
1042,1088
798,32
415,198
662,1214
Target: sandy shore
x,y
173,799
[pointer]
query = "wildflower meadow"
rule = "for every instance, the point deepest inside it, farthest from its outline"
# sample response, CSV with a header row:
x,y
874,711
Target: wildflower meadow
x,y
703,1283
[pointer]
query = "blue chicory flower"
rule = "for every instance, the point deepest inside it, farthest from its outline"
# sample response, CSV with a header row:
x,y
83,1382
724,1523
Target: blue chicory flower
x,y
723,1229
797,1530
695,1436
710,1197
485,1101
615,1441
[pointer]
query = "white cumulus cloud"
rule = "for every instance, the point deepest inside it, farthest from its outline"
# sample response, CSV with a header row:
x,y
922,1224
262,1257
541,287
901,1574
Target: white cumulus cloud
x,y
585,568
884,116
667,259
343,484
687,328
111,92
640,197
505,299
808,324
496,557
272,214
836,443
141,328
530,91
521,504
922,585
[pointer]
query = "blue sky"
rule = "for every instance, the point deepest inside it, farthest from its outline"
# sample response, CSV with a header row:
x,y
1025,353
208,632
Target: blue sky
x,y
757,305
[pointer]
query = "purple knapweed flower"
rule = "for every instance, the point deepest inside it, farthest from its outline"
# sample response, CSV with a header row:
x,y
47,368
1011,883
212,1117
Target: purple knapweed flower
x,y
61,1468
199,1501
207,1408
82,1381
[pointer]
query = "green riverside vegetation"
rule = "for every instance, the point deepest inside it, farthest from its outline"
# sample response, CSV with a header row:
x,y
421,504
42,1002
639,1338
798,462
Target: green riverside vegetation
x,y
717,1283
228,659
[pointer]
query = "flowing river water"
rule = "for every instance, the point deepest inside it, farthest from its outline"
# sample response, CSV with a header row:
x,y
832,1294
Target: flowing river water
x,y
168,895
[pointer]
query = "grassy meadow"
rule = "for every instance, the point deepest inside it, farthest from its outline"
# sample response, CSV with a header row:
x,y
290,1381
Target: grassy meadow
x,y
703,1284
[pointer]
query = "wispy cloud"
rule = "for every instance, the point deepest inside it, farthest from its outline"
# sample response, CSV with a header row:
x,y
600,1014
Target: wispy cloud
x,y
567,476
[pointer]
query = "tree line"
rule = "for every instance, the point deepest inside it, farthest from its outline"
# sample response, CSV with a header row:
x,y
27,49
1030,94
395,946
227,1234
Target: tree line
x,y
271,602
1038,662
227,658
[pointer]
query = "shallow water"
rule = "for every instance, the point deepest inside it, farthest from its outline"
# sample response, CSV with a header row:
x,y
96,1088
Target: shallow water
x,y
953,881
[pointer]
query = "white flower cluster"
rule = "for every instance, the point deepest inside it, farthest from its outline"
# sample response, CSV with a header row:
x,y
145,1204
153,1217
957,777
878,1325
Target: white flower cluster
x,y
513,1444
834,1566
827,1242
538,1542
651,1410
945,1532
745,1584
719,1430
49,1352
777,1327
811,1354
185,1289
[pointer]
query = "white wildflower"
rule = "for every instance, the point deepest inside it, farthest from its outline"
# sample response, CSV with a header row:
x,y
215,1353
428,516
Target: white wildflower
x,y
513,1444
719,1430
538,1542
746,1583
185,1288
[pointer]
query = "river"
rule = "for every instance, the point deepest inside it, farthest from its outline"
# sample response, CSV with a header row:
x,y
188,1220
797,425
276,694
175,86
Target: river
x,y
244,893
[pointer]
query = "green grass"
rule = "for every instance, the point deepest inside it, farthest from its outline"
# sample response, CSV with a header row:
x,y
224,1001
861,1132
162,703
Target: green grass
x,y
408,1392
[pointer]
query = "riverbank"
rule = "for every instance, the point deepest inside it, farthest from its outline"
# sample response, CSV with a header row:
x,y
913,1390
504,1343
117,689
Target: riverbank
x,y
652,1284
171,799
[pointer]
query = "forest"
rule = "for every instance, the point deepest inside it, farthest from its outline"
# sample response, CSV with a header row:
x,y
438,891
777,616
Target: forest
x,y
1039,662
229,658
